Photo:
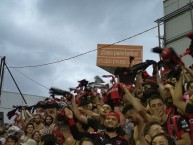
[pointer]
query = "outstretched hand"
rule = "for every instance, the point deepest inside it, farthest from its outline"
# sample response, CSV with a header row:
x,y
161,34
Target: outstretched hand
x,y
68,113
157,115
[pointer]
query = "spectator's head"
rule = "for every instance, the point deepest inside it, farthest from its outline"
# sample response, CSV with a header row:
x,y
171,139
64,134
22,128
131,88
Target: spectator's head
x,y
156,103
172,80
86,141
29,128
162,139
13,130
104,109
40,109
151,129
48,139
167,93
37,118
48,120
7,126
147,94
12,140
112,120
2,131
36,136
130,113
149,83
52,112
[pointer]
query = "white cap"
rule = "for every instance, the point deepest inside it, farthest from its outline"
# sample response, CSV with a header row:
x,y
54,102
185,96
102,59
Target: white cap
x,y
12,130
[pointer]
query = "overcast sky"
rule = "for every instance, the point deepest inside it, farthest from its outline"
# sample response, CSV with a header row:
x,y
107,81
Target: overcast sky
x,y
34,32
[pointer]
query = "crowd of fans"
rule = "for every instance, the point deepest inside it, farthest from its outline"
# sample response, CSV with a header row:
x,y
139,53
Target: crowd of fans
x,y
154,110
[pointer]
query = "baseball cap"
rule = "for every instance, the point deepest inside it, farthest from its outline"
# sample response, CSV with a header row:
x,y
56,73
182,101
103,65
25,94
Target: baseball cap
x,y
12,130
113,113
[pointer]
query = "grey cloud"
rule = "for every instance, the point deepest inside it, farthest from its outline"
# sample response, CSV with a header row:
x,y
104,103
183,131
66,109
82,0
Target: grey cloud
x,y
41,31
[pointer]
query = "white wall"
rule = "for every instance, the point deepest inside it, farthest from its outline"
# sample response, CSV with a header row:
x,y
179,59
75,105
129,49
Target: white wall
x,y
8,99
176,28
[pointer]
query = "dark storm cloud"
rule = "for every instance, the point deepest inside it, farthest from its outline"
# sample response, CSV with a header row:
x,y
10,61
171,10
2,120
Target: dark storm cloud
x,y
108,18
42,31
29,45
31,41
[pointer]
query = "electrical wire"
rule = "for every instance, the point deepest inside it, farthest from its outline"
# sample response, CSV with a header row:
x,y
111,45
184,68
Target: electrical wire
x,y
73,57
50,63
28,77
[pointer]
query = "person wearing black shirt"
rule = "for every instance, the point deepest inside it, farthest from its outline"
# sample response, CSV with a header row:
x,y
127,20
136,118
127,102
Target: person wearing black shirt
x,y
185,106
175,125
108,136
96,121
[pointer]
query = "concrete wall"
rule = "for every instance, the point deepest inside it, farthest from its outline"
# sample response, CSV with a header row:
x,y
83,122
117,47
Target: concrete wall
x,y
8,99
176,28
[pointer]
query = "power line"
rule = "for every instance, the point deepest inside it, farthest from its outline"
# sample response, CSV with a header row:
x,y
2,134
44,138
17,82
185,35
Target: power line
x,y
5,108
28,77
50,63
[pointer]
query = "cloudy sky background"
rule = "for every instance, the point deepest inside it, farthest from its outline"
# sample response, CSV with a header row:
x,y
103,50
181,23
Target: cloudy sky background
x,y
36,32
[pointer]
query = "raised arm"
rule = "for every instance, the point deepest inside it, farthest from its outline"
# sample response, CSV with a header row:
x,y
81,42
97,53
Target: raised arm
x,y
90,113
74,130
177,97
190,71
138,85
161,87
137,105
77,113
170,88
